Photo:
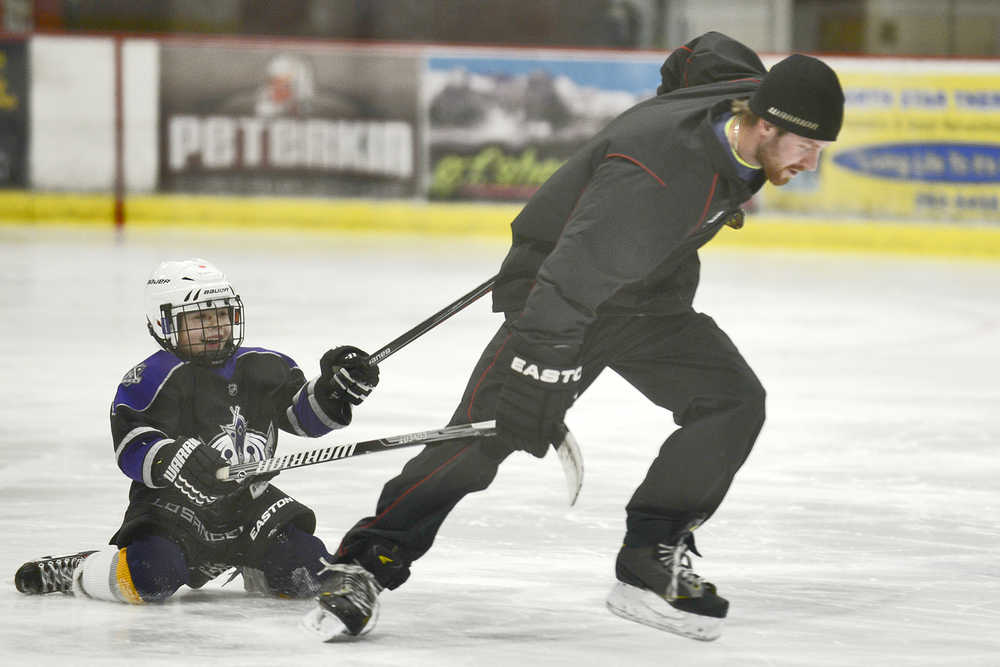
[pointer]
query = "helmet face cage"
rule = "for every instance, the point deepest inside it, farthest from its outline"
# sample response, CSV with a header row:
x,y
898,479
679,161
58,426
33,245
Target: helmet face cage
x,y
193,312
204,332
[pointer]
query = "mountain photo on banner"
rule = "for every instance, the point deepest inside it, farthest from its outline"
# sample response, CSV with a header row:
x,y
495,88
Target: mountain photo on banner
x,y
500,126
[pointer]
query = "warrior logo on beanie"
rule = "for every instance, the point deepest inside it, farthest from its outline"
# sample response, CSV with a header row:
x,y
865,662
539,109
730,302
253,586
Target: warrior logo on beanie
x,y
802,95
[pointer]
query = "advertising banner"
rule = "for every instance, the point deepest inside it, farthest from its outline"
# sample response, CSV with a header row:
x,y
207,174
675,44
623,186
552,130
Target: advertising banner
x,y
920,140
322,121
500,126
13,113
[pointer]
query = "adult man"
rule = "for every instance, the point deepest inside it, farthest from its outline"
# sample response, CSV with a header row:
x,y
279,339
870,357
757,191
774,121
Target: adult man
x,y
601,274
203,402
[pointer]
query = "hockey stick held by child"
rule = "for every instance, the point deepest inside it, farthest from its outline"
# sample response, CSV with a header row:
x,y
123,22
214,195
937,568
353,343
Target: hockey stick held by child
x,y
343,382
567,449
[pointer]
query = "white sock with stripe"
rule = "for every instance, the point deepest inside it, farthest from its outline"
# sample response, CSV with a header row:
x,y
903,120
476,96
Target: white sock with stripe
x,y
104,575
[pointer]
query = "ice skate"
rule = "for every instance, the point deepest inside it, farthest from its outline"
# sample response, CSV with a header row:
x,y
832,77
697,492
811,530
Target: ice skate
x,y
347,605
656,587
49,574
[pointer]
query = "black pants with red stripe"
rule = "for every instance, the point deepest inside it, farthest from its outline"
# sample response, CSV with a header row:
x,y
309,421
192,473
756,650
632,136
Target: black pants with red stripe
x,y
683,363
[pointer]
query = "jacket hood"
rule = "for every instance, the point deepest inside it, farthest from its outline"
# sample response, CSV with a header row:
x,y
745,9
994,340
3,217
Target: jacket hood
x,y
710,58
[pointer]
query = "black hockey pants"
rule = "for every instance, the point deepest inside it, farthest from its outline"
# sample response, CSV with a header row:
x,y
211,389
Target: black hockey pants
x,y
683,363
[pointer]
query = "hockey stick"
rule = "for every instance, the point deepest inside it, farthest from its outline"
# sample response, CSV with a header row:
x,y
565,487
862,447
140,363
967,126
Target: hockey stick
x,y
240,471
567,450
437,318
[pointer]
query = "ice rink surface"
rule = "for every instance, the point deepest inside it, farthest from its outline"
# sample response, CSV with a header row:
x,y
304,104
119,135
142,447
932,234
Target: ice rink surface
x,y
863,529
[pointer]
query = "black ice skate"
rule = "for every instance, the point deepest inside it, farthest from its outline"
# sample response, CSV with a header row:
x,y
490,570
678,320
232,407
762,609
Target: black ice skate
x,y
656,587
347,605
48,574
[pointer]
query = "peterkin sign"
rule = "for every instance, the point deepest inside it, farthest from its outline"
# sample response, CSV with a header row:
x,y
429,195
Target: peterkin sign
x,y
374,148
257,120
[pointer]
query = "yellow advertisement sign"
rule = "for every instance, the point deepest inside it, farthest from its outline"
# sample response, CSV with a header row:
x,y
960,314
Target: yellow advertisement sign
x,y
921,140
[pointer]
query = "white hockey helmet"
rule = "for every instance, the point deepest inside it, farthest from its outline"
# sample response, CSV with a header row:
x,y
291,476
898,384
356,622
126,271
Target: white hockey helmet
x,y
177,289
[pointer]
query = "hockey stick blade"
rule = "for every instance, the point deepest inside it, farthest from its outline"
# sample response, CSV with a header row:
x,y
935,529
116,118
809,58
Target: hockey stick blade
x,y
571,459
240,471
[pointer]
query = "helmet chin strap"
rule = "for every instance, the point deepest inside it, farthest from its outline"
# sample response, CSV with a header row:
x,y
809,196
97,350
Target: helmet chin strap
x,y
225,352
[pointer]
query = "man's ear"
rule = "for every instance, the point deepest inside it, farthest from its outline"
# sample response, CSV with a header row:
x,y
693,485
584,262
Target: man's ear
x,y
767,130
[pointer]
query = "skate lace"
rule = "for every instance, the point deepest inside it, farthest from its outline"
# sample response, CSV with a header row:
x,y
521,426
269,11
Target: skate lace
x,y
678,562
57,573
353,582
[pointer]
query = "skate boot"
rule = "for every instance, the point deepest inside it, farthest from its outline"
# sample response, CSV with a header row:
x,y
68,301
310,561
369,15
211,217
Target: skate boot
x,y
347,605
656,587
48,574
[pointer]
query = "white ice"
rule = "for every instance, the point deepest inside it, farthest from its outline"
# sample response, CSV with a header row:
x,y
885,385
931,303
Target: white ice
x,y
863,530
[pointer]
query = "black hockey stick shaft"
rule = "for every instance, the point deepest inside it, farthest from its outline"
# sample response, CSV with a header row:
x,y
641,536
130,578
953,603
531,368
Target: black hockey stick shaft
x,y
239,471
567,449
437,318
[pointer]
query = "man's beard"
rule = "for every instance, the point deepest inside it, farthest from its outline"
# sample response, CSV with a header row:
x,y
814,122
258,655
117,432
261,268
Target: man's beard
x,y
777,176
766,157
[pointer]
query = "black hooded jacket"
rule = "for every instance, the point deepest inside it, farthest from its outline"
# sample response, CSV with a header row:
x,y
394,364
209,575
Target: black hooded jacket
x,y
615,231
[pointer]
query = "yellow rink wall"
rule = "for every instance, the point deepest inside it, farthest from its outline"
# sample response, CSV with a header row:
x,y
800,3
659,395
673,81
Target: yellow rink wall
x,y
393,217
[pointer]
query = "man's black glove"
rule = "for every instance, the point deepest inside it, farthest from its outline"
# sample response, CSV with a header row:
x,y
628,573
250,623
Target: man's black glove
x,y
346,376
540,386
189,466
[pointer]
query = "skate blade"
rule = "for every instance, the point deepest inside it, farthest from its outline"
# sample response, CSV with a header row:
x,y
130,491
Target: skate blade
x,y
648,608
326,627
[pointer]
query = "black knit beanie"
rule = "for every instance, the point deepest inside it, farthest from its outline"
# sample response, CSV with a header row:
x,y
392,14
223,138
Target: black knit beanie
x,y
802,95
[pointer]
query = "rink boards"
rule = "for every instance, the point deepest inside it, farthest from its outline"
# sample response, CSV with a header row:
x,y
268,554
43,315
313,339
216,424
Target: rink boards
x,y
482,220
